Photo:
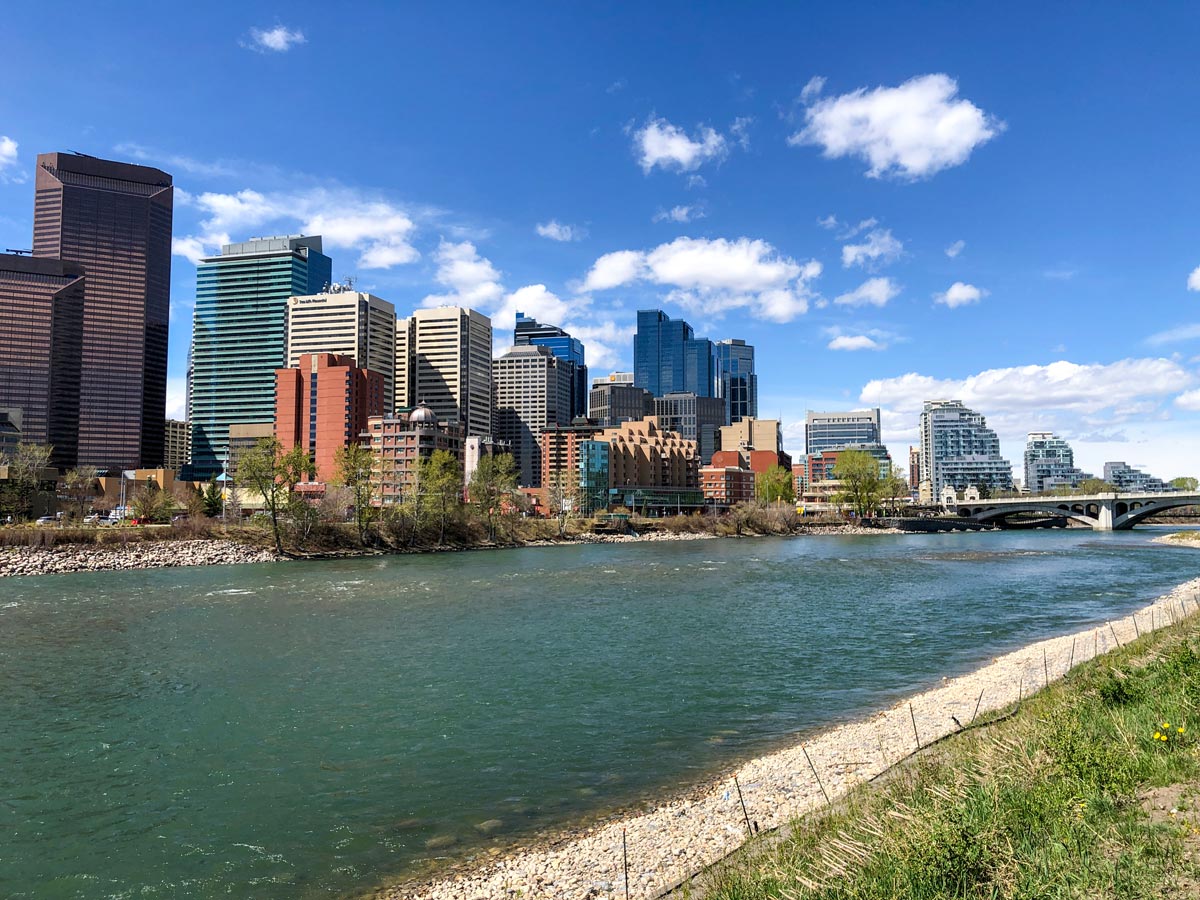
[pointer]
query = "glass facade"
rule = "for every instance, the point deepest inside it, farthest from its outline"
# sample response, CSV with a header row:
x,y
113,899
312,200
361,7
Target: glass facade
x,y
568,349
593,476
958,449
835,430
739,383
114,220
239,335
667,356
41,334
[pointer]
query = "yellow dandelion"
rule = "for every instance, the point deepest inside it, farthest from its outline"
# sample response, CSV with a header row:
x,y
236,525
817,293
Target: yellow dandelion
x,y
1166,725
1157,735
1180,729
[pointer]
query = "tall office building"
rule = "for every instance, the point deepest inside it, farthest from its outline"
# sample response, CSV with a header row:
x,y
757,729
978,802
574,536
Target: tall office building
x,y
615,399
668,357
346,323
837,430
444,360
738,384
114,220
693,418
532,392
323,404
41,336
958,449
568,349
239,335
1049,463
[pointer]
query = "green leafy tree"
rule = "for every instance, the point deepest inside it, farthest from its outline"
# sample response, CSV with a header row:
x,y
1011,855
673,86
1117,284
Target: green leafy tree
x,y
1185,483
861,484
1095,486
894,488
355,466
151,504
492,486
440,477
274,474
775,485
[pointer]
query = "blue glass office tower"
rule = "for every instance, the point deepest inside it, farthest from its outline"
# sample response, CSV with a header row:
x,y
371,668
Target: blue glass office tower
x,y
735,374
239,335
668,357
570,350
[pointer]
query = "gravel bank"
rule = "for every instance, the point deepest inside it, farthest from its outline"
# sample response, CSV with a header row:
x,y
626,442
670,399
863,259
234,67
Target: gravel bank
x,y
147,555
677,839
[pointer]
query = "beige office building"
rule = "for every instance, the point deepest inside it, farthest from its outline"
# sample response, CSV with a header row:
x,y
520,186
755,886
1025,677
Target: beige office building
x,y
444,360
752,434
345,323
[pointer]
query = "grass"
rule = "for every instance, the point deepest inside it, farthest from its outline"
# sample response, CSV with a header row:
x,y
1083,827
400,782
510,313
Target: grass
x,y
1192,536
1055,801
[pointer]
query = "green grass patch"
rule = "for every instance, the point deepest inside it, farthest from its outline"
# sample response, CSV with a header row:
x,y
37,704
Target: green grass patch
x,y
1051,802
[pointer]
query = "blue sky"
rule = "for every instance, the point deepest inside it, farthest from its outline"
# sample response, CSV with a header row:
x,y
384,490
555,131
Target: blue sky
x,y
891,203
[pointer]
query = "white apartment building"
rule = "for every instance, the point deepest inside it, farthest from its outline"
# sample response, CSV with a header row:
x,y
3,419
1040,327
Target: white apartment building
x,y
958,449
348,323
444,360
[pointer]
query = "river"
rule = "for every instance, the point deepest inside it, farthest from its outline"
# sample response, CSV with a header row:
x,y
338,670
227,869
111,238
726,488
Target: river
x,y
315,729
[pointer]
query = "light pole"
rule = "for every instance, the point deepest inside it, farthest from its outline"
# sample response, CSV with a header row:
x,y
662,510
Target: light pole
x,y
224,485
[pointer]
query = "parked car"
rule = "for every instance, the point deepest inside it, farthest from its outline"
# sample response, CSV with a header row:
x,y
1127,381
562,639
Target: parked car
x,y
91,518
108,520
47,520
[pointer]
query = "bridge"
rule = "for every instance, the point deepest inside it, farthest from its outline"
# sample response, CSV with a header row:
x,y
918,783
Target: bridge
x,y
1101,512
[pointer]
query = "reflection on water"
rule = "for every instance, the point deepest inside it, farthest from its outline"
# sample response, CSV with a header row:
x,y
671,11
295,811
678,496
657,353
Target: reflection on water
x,y
312,728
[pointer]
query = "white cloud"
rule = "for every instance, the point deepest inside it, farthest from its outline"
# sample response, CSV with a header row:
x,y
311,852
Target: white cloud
x,y
659,143
8,160
960,294
855,342
380,231
880,248
472,279
1060,274
681,214
607,344
1193,279
829,223
912,131
177,398
812,89
1175,335
176,162
956,248
713,276
740,131
872,292
556,231
279,39
1121,389
1189,401
614,269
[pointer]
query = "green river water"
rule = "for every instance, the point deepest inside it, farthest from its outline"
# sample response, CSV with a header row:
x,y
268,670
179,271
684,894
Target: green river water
x,y
304,729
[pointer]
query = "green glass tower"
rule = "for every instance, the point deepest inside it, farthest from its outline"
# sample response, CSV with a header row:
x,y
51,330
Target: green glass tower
x,y
239,335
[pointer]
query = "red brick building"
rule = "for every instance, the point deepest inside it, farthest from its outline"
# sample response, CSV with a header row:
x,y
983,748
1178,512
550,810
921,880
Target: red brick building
x,y
323,405
400,441
726,486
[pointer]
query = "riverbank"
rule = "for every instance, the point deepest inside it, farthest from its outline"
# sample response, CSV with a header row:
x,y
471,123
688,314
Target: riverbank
x,y
1180,539
64,558
672,842
215,551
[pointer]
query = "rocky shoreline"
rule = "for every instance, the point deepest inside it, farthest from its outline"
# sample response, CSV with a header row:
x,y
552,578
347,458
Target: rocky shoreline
x,y
65,558
679,838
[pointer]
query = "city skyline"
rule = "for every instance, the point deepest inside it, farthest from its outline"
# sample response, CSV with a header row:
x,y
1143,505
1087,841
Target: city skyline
x,y
1033,266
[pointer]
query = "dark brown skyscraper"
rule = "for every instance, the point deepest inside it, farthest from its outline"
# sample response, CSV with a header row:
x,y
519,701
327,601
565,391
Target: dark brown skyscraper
x,y
114,219
41,333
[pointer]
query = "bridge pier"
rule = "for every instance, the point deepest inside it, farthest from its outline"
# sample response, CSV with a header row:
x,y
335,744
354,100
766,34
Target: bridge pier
x,y
1105,519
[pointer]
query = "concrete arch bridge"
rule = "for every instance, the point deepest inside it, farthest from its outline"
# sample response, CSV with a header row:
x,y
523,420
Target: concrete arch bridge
x,y
1101,512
